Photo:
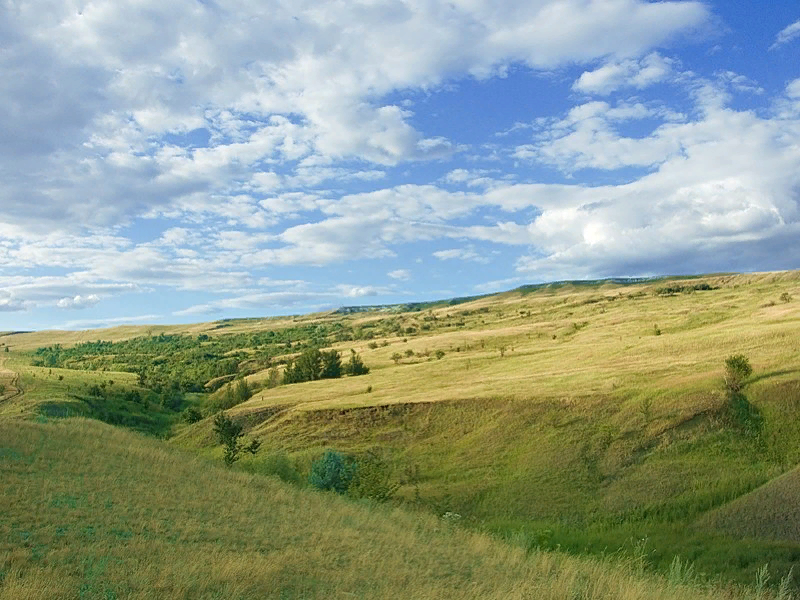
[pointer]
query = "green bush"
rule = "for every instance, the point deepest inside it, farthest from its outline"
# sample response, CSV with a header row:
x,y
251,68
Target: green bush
x,y
229,433
355,366
332,471
737,370
192,415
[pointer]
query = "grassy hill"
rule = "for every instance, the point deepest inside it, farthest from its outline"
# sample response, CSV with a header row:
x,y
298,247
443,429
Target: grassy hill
x,y
771,511
586,417
91,511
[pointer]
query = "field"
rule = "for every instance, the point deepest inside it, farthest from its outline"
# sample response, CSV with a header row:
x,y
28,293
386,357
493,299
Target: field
x,y
91,511
585,418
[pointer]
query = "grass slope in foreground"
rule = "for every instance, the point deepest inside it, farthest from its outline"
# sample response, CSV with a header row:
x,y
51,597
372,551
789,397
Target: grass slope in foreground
x,y
92,511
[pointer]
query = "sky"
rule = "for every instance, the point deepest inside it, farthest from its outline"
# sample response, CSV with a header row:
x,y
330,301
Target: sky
x,y
191,160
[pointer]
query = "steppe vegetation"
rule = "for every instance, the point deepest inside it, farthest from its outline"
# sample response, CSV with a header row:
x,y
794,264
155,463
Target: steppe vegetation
x,y
652,428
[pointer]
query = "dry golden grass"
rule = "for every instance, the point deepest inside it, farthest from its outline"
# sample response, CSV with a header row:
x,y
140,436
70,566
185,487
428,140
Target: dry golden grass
x,y
90,511
546,357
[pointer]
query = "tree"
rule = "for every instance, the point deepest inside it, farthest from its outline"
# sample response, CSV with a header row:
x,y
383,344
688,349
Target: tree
x,y
331,365
737,370
355,366
229,434
242,392
396,357
332,471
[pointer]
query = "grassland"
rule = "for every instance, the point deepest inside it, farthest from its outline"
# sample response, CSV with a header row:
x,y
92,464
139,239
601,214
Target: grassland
x,y
584,418
91,511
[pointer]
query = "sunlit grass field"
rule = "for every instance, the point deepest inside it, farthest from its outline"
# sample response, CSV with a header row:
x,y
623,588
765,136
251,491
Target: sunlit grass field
x,y
585,418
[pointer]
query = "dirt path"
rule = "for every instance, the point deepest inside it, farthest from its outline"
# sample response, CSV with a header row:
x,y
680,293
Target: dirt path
x,y
11,380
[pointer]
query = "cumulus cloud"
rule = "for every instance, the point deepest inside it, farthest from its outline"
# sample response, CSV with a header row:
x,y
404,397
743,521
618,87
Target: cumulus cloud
x,y
616,74
400,274
114,110
787,34
78,302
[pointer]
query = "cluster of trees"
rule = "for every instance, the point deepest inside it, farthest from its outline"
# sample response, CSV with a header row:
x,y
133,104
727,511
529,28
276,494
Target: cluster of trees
x,y
316,364
191,361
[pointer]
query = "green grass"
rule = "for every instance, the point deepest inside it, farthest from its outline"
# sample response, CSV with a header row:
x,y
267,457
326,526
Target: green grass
x,y
91,511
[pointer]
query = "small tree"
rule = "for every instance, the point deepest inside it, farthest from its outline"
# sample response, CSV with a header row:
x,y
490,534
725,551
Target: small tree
x,y
192,415
241,392
355,366
331,365
332,471
737,370
396,357
229,434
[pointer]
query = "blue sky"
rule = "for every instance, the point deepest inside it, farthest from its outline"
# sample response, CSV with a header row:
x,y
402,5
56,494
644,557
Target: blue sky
x,y
166,162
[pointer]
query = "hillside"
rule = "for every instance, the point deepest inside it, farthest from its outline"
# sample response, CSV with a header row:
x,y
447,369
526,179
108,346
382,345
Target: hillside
x,y
92,511
771,512
585,417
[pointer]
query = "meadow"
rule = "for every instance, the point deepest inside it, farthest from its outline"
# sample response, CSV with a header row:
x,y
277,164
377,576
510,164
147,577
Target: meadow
x,y
93,511
587,419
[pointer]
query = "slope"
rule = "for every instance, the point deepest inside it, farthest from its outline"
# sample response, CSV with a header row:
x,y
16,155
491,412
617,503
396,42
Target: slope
x,y
91,511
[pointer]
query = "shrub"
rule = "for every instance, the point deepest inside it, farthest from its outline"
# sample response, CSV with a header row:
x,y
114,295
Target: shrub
x,y
331,365
192,415
372,345
786,297
396,357
737,370
274,378
409,353
355,366
332,471
439,354
229,434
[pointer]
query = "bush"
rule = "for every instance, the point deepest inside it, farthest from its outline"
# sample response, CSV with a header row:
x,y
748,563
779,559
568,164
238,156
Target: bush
x,y
439,354
332,471
192,415
355,366
229,433
737,370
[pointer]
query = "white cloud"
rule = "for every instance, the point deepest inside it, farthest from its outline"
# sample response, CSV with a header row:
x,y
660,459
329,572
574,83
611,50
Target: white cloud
x,y
104,105
787,34
616,74
400,274
461,254
78,302
360,291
